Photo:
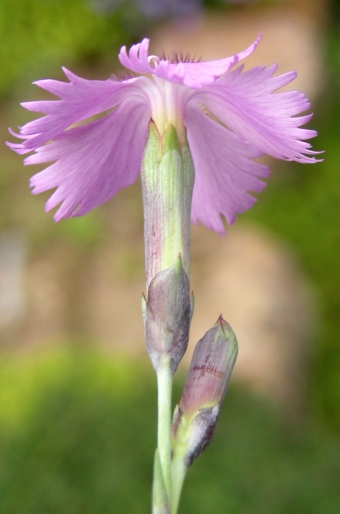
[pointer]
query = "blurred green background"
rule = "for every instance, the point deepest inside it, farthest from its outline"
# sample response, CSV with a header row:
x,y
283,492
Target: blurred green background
x,y
77,418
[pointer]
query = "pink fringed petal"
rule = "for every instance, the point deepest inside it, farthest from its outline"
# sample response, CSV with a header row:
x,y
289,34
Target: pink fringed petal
x,y
197,74
94,161
80,99
224,171
137,59
191,74
246,103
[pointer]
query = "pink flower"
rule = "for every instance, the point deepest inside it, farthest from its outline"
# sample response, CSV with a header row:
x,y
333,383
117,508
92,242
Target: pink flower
x,y
228,118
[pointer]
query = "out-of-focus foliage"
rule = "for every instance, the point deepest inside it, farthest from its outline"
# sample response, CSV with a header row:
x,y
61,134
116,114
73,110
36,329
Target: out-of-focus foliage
x,y
35,32
153,9
77,435
69,435
304,207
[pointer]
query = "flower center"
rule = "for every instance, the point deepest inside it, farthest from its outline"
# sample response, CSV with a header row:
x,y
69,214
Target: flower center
x,y
153,61
167,100
176,58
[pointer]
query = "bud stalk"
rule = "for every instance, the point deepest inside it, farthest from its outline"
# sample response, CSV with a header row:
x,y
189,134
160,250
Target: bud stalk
x,y
196,415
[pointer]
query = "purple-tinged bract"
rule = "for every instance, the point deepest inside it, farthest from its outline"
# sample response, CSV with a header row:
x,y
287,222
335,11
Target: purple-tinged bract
x,y
229,117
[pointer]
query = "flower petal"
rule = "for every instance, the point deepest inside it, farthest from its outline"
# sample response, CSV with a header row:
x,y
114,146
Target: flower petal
x,y
137,60
197,74
80,99
94,161
224,171
191,74
246,104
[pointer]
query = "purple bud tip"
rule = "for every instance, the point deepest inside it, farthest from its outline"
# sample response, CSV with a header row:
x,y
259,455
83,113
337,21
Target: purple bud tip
x,y
196,416
210,369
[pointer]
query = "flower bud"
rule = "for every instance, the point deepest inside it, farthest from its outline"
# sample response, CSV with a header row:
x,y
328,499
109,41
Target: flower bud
x,y
167,315
196,415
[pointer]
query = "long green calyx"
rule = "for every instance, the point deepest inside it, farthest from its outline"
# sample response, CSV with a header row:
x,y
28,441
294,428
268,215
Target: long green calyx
x,y
167,183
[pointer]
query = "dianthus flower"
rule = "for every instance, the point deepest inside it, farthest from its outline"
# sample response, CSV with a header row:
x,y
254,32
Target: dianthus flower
x,y
228,118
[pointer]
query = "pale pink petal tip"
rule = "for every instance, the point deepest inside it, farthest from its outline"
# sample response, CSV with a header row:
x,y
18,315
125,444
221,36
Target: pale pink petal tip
x,y
137,59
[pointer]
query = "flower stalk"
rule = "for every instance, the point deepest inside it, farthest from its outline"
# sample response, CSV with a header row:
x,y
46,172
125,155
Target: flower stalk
x,y
167,184
164,385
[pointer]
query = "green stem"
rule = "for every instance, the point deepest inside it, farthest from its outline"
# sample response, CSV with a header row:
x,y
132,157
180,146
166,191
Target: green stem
x,y
164,382
178,472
